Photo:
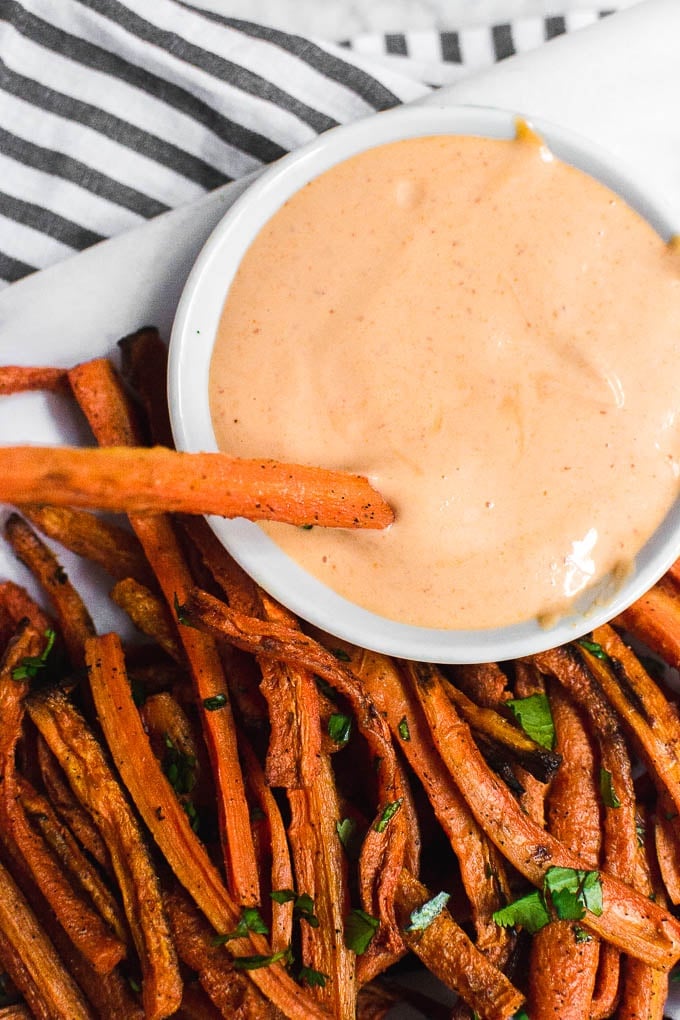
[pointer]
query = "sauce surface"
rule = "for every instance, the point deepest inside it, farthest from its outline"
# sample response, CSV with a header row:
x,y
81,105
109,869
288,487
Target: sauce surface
x,y
493,338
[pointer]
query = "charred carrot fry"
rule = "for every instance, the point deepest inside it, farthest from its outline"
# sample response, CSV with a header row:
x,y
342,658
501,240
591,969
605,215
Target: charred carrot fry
x,y
482,869
321,872
31,960
20,378
666,829
654,619
153,480
628,920
109,412
228,988
169,825
485,683
19,606
143,362
447,952
68,808
39,810
114,548
385,844
91,778
563,965
150,615
15,1012
75,622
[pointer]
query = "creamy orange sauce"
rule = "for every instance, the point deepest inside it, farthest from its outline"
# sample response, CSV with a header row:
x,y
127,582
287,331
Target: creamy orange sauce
x,y
490,335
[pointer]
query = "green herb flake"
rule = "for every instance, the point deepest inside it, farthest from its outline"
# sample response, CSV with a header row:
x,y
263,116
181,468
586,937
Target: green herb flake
x,y
30,665
422,917
340,654
339,727
607,791
179,768
581,935
313,978
215,702
360,928
387,815
282,895
323,687
304,908
251,920
403,728
534,716
521,1014
573,891
529,912
306,527
258,960
595,649
134,985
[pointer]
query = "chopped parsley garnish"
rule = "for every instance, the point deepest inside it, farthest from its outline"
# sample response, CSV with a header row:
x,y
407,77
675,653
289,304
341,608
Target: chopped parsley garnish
x,y
387,815
313,978
340,654
179,768
402,727
216,701
422,917
581,935
258,960
30,665
360,928
304,908
534,716
607,791
339,727
251,920
595,649
568,891
282,895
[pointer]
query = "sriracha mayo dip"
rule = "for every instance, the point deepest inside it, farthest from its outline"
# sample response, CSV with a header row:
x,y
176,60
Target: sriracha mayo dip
x,y
491,336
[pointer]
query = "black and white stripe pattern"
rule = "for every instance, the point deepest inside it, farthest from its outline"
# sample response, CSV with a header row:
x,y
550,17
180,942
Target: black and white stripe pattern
x,y
113,111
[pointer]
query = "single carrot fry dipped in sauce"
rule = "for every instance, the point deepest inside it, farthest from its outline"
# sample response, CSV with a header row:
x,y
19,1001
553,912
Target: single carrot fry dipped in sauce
x,y
153,480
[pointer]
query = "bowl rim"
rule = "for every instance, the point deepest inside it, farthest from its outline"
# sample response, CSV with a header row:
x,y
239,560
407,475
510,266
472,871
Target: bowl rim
x,y
190,350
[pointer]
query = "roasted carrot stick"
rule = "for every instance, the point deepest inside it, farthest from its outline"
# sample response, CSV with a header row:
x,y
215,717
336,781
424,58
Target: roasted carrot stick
x,y
628,920
168,823
655,620
447,952
92,780
563,965
152,480
19,605
150,615
31,960
75,622
114,548
19,378
143,364
482,869
107,408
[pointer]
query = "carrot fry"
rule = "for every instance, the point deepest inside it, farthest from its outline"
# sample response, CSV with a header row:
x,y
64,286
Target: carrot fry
x,y
655,620
96,787
31,961
75,622
484,683
152,480
68,808
144,360
15,1012
105,404
229,989
19,605
149,614
112,547
482,869
563,967
386,842
628,920
20,378
82,874
668,847
448,953
168,823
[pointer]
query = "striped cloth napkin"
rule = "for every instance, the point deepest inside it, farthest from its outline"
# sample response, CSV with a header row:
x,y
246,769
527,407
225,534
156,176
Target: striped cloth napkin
x,y
114,111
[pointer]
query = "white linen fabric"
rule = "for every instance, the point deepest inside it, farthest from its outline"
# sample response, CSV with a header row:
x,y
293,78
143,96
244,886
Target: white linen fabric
x,y
114,111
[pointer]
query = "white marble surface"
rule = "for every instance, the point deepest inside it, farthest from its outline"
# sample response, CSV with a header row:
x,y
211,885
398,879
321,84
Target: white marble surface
x,y
341,19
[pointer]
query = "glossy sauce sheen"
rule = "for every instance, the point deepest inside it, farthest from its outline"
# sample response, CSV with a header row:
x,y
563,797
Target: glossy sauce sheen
x,y
490,335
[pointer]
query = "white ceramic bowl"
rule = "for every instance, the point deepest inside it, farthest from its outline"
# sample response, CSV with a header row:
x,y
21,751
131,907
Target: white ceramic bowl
x,y
191,345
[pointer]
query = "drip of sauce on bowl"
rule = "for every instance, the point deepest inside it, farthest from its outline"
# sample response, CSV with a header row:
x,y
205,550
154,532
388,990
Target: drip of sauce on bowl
x,y
489,334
